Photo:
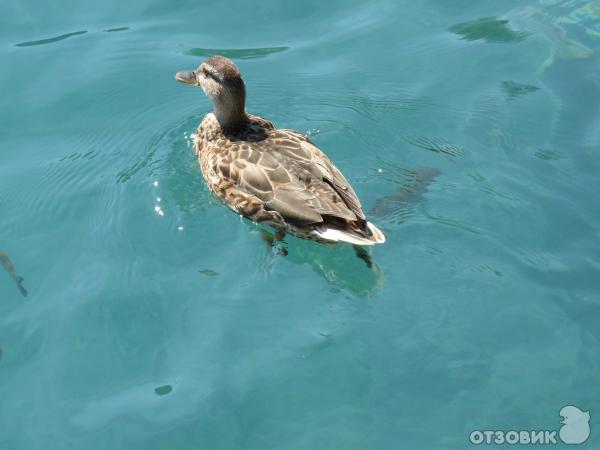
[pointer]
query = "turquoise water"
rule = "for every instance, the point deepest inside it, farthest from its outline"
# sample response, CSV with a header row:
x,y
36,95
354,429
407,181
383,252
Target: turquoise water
x,y
157,319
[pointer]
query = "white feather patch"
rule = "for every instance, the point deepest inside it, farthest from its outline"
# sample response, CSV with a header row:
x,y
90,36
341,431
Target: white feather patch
x,y
336,235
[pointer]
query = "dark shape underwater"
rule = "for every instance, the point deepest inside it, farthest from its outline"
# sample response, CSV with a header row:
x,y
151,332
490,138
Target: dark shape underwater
x,y
488,29
8,265
514,89
406,196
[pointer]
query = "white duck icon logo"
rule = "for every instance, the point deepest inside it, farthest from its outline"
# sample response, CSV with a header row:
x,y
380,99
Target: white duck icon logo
x,y
575,427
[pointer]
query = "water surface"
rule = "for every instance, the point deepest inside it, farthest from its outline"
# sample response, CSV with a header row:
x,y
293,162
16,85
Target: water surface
x,y
157,319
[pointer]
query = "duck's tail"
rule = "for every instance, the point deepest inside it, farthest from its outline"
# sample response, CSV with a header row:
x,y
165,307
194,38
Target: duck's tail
x,y
351,236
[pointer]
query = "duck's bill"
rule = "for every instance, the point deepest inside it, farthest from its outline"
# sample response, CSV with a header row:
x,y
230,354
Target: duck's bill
x,y
187,77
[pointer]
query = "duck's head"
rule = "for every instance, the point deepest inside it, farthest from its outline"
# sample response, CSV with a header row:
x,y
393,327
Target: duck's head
x,y
222,82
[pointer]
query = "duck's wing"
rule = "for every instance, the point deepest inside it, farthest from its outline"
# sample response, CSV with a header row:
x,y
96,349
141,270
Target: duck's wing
x,y
327,170
293,177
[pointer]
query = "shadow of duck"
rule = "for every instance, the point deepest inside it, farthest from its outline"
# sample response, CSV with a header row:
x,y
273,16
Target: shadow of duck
x,y
338,264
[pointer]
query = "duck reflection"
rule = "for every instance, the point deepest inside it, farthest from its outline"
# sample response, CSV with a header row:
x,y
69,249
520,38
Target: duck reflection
x,y
337,263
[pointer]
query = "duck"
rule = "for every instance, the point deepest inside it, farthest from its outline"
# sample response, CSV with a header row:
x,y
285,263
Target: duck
x,y
271,176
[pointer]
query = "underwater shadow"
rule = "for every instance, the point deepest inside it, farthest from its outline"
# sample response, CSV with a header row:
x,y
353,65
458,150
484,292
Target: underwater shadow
x,y
489,29
10,268
339,265
513,90
412,185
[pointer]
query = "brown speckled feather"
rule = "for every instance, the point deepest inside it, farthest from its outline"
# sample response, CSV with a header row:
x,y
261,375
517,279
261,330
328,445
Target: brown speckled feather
x,y
275,176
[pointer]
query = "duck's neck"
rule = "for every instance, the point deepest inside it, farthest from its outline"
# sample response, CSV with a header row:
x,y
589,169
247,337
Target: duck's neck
x,y
230,111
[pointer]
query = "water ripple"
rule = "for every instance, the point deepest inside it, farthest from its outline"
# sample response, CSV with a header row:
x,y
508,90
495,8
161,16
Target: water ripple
x,y
50,40
547,155
236,53
453,223
485,186
436,145
113,30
